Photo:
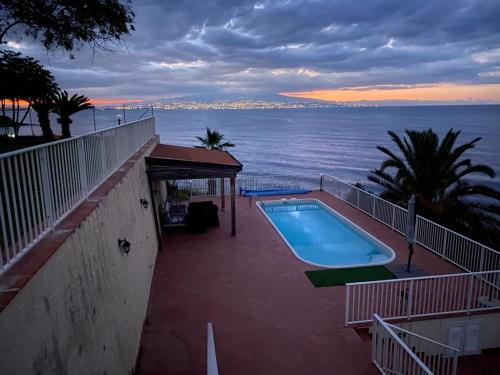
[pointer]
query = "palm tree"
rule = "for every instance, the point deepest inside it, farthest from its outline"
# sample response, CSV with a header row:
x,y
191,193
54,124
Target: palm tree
x,y
66,106
213,140
43,107
435,171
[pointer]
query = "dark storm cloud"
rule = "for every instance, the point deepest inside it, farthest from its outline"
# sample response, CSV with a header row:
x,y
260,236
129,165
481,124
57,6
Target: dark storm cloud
x,y
183,48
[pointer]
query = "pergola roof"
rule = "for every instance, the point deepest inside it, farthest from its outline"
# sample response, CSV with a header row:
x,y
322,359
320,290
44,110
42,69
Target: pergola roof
x,y
178,162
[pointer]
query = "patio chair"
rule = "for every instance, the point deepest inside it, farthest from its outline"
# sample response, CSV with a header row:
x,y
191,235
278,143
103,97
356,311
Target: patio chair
x,y
174,213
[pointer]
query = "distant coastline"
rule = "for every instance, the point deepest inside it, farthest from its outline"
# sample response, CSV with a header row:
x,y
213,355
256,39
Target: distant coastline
x,y
250,104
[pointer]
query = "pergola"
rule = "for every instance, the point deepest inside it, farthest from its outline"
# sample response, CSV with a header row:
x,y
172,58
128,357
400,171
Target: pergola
x,y
169,162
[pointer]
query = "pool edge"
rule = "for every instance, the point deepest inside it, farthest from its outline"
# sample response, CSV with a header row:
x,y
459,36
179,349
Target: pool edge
x,y
343,218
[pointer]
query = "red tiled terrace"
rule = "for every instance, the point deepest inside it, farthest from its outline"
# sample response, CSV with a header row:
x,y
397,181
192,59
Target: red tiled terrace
x,y
267,316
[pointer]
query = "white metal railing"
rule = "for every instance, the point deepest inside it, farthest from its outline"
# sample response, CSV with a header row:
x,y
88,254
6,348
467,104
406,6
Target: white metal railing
x,y
384,211
211,356
40,185
212,187
398,351
462,251
422,296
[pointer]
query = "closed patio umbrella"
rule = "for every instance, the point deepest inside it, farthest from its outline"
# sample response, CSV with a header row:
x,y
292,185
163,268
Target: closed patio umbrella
x,y
410,228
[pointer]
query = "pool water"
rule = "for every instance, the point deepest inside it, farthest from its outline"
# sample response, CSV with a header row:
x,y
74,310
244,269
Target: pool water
x,y
320,236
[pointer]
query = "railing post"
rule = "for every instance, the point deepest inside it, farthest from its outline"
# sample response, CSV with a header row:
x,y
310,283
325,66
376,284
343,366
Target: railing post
x,y
46,188
409,304
357,198
373,208
455,363
416,227
321,181
393,215
469,293
445,240
481,261
82,166
347,295
212,368
103,155
374,341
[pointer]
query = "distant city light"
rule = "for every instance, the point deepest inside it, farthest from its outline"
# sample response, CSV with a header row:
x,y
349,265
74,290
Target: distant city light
x,y
236,105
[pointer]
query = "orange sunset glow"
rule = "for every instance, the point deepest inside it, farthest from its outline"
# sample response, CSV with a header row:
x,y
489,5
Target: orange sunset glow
x,y
438,92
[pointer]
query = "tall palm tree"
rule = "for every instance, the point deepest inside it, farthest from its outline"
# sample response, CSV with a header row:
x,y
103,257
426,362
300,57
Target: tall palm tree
x,y
66,106
213,140
43,107
436,170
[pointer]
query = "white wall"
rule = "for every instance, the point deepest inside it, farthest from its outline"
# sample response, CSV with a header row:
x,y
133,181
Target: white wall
x,y
437,329
83,311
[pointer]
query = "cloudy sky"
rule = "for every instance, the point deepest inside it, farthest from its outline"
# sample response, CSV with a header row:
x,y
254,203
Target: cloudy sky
x,y
324,49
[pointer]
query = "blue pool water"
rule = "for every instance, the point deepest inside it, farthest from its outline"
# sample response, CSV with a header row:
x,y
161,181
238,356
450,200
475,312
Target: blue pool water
x,y
319,236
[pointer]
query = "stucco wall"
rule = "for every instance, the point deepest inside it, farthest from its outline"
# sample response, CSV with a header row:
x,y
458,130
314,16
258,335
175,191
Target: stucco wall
x,y
83,311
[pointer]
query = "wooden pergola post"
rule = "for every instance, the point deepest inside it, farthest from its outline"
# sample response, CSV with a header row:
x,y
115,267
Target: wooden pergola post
x,y
233,205
222,195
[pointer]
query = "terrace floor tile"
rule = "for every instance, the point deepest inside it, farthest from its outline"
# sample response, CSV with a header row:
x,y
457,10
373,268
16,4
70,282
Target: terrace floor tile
x,y
267,316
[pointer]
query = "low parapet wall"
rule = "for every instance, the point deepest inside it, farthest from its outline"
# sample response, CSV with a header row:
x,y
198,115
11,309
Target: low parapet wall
x,y
76,303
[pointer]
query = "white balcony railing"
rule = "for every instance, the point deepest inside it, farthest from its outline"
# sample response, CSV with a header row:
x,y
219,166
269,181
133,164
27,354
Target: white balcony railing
x,y
202,187
462,251
40,185
422,296
398,351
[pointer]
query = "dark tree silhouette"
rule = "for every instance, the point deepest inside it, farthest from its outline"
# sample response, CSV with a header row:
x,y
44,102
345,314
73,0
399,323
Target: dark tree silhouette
x,y
24,80
213,140
66,24
65,106
43,107
436,171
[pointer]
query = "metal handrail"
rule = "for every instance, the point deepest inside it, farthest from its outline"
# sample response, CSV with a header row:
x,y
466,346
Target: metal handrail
x,y
393,354
41,185
468,262
53,143
423,296
400,342
421,278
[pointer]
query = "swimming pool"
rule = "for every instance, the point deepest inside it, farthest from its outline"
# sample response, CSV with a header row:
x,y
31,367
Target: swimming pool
x,y
320,236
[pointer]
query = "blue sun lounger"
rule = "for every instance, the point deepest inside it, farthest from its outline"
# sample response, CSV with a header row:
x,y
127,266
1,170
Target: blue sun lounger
x,y
268,192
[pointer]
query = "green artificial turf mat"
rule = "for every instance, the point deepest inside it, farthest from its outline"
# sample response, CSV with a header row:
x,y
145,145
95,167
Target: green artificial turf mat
x,y
322,278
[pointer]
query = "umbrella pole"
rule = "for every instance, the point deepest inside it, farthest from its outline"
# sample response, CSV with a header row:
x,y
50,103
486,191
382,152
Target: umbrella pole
x,y
410,247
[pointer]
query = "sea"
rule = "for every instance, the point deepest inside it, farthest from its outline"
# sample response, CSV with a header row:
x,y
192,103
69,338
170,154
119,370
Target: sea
x,y
341,141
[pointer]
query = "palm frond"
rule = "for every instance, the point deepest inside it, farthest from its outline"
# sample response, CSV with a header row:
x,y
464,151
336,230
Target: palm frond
x,y
437,171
